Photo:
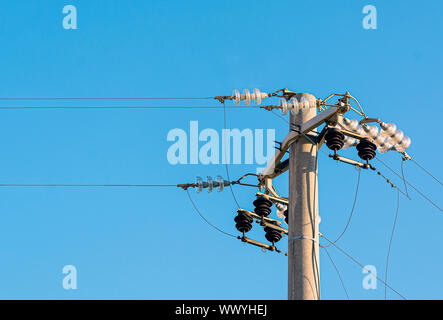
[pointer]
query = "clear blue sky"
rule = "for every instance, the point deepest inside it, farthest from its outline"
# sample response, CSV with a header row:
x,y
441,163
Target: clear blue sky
x,y
149,243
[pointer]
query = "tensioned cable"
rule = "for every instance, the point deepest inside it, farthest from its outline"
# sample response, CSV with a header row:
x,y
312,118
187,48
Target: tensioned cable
x,y
117,107
103,98
362,266
337,271
83,185
206,220
350,215
426,171
418,191
390,241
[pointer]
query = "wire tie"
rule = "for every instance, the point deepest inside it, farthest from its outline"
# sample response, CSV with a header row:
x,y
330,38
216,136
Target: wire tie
x,y
302,237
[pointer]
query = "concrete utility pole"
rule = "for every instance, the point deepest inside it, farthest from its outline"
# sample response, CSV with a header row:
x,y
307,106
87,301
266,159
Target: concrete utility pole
x,y
303,247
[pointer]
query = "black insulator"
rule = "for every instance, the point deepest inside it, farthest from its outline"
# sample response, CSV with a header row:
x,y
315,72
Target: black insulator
x,y
262,206
335,139
366,149
286,216
272,235
243,222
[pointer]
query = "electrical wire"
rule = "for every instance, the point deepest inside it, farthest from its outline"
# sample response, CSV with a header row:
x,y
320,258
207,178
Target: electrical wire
x,y
350,215
102,98
362,266
418,191
403,177
226,162
390,182
206,220
390,241
426,171
337,271
83,185
116,107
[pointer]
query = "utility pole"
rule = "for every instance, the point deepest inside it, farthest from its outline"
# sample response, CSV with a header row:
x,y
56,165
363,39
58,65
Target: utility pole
x,y
303,246
300,208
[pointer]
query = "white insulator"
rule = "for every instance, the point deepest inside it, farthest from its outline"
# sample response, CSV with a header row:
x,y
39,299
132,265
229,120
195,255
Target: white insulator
x,y
281,208
283,106
304,104
371,131
349,142
294,105
361,131
404,144
397,137
236,95
383,144
379,139
247,95
221,183
388,129
210,184
350,124
199,183
385,147
258,96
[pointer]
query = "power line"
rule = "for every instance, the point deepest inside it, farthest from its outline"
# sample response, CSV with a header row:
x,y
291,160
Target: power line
x,y
403,177
390,241
102,98
118,107
84,185
418,191
337,271
226,164
426,171
206,220
350,215
362,266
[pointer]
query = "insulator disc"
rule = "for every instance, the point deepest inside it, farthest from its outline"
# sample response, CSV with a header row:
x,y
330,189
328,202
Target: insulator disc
x,y
247,96
243,222
236,95
284,106
262,206
257,96
335,139
272,235
366,149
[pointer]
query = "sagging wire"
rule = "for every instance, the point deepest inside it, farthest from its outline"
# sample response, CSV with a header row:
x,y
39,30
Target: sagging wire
x,y
412,186
337,271
352,211
362,266
226,163
390,241
403,177
206,220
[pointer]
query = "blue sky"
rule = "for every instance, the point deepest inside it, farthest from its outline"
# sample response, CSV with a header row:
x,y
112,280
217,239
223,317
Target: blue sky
x,y
149,243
